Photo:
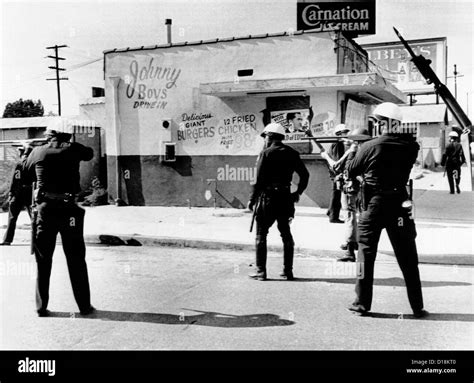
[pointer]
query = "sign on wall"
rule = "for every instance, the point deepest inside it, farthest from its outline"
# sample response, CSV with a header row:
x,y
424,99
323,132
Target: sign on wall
x,y
395,63
356,115
351,17
205,132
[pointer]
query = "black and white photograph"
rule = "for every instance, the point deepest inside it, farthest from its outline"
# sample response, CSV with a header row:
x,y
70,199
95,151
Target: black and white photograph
x,y
237,184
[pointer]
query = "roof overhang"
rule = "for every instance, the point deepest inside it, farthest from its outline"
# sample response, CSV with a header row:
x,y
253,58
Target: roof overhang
x,y
429,113
371,87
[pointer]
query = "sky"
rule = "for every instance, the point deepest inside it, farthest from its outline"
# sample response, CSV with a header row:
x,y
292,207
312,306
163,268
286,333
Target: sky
x,y
89,27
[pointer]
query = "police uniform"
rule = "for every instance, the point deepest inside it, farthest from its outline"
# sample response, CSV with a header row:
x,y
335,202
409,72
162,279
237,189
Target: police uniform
x,y
385,163
453,158
55,168
273,200
20,197
336,151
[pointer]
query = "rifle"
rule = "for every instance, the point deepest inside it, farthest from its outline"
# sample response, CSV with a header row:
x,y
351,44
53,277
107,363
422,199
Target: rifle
x,y
34,218
423,65
255,208
19,143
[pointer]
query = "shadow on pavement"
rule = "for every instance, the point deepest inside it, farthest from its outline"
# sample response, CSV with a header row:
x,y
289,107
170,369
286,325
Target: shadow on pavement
x,y
206,318
398,282
432,316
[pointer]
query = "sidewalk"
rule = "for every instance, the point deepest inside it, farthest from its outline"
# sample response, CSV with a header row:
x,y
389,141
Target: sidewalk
x,y
445,226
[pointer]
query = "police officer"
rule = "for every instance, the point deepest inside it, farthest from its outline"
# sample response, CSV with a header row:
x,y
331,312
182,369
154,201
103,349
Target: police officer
x,y
272,198
336,151
350,192
19,195
385,163
55,169
453,159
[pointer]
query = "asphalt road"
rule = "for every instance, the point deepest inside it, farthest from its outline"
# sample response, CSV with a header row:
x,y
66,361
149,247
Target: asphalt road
x,y
151,298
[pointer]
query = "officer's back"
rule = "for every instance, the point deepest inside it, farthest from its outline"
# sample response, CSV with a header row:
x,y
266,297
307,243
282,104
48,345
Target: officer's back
x,y
385,161
284,162
56,166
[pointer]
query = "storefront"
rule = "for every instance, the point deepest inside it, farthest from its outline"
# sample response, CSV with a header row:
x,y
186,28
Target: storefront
x,y
183,120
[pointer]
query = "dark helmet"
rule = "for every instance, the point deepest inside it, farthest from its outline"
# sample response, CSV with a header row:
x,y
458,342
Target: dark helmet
x,y
359,134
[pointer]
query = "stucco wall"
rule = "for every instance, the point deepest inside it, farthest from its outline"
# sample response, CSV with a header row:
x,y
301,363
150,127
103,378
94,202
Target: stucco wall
x,y
148,181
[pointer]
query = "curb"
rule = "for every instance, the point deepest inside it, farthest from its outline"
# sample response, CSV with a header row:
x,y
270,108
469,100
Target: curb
x,y
459,260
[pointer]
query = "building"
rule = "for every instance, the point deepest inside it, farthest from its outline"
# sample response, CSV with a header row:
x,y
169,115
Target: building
x,y
88,132
183,120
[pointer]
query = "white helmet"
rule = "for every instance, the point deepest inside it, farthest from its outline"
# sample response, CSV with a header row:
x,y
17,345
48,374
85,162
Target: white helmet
x,y
341,128
273,128
388,110
453,134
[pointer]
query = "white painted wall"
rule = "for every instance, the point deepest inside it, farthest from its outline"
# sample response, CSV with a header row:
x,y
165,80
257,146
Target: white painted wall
x,y
141,130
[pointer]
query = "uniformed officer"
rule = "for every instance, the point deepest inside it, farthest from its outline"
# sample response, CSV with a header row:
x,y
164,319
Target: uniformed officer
x,y
350,192
453,159
55,169
336,151
385,164
19,195
272,198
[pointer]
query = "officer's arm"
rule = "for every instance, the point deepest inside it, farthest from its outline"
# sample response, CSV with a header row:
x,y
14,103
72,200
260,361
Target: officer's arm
x,y
303,173
356,165
463,158
257,187
85,153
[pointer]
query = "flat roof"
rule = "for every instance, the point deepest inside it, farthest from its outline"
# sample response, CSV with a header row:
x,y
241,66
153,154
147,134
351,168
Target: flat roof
x,y
288,33
42,122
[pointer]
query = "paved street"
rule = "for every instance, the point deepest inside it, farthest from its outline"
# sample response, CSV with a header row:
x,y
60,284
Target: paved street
x,y
188,299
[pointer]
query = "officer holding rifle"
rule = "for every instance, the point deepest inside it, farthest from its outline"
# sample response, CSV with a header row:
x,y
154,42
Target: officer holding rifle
x,y
54,168
385,164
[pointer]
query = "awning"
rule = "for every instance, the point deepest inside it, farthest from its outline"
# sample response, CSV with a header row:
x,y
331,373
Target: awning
x,y
371,87
425,113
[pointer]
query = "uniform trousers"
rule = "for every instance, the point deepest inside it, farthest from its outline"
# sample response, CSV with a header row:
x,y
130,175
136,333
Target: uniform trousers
x,y
21,200
277,207
387,212
454,176
68,220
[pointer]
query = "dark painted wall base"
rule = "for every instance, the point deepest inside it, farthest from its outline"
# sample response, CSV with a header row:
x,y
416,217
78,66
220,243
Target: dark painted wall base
x,y
192,181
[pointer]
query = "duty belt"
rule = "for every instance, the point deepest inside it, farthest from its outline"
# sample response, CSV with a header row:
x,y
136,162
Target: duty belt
x,y
386,191
277,188
60,197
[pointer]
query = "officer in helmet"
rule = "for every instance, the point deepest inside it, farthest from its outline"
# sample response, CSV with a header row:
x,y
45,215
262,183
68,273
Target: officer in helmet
x,y
385,164
19,196
272,198
54,167
453,158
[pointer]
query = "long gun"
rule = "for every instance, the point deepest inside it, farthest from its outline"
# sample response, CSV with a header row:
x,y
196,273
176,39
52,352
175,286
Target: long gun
x,y
427,72
33,141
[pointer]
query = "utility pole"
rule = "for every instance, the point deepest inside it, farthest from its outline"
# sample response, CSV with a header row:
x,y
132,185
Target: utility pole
x,y
456,75
57,68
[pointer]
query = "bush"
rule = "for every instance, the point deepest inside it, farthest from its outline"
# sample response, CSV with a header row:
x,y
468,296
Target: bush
x,y
98,196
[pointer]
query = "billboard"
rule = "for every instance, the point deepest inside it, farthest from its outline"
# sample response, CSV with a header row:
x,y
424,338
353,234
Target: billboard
x,y
352,17
394,62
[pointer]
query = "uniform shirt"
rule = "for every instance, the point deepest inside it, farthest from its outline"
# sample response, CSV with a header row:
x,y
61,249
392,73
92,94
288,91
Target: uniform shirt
x,y
19,179
385,162
276,166
454,155
56,169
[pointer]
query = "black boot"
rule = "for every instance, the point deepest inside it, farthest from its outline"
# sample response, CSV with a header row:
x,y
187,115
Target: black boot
x,y
349,255
288,254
